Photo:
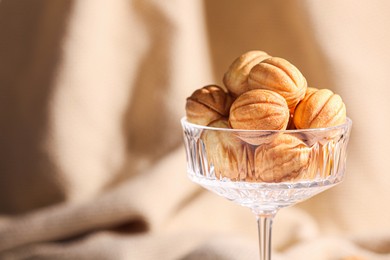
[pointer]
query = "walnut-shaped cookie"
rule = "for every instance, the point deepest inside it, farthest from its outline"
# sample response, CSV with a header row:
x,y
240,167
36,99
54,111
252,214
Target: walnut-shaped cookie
x,y
291,125
282,159
236,77
229,156
321,108
279,75
259,109
207,104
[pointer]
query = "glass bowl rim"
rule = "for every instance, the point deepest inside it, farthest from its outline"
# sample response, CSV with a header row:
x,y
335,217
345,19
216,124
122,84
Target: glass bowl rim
x,y
347,124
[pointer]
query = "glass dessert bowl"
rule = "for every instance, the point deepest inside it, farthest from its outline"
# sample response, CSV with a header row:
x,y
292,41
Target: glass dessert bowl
x,y
265,170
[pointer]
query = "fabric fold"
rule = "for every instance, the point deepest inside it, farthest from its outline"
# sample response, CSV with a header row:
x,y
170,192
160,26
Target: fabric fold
x,y
132,201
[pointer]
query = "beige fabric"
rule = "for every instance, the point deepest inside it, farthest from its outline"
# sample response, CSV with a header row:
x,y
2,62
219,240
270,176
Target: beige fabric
x,y
92,164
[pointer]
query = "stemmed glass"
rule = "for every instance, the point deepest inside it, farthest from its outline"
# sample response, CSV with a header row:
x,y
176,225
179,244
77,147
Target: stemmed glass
x,y
266,170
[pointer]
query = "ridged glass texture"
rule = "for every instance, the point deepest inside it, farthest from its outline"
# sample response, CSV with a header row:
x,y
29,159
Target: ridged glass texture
x,y
266,170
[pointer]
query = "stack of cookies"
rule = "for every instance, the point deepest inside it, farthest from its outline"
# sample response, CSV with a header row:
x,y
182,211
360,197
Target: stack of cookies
x,y
262,92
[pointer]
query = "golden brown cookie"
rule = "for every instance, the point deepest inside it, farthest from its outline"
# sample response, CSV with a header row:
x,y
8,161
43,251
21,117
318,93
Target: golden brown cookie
x,y
281,76
236,77
321,108
230,156
259,109
207,104
282,159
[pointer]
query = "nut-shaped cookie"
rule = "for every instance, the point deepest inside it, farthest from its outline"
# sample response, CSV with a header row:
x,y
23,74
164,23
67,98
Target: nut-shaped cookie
x,y
236,77
291,125
321,108
207,104
259,109
230,156
283,159
281,76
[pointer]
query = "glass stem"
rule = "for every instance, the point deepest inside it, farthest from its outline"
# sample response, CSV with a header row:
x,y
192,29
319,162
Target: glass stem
x,y
264,225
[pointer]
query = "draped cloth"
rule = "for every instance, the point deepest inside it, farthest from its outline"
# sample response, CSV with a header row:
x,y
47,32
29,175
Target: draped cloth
x,y
92,164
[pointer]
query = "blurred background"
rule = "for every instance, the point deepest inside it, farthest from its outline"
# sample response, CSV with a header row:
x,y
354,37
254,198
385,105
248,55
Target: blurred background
x,y
91,94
